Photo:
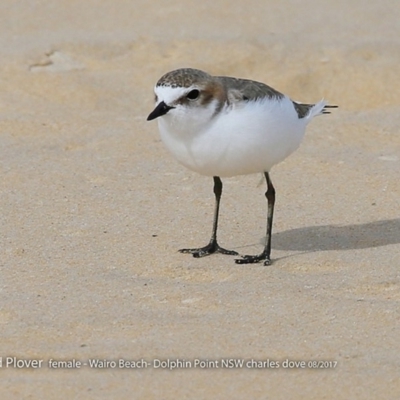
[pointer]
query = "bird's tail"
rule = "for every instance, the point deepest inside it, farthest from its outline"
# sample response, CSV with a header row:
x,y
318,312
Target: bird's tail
x,y
309,111
319,108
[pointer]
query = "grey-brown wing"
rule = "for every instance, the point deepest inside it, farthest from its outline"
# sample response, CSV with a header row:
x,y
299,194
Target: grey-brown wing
x,y
248,89
302,109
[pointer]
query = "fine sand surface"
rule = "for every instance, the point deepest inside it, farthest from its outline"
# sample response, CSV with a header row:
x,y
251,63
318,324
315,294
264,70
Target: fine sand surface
x,y
93,208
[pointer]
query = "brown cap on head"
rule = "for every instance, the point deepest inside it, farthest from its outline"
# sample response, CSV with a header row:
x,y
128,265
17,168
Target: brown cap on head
x,y
184,77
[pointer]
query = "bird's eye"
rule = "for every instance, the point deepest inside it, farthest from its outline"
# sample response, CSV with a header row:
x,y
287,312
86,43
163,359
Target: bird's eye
x,y
193,94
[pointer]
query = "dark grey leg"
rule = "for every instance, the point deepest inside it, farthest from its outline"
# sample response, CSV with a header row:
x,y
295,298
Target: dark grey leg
x,y
266,254
213,246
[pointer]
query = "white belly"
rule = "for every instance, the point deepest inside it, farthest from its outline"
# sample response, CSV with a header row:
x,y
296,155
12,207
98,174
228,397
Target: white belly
x,y
246,139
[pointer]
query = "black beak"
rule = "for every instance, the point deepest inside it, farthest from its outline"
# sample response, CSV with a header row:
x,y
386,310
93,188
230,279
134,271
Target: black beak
x,y
160,110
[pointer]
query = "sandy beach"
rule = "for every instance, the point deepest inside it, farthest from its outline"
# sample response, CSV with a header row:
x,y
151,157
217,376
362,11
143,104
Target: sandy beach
x,y
94,208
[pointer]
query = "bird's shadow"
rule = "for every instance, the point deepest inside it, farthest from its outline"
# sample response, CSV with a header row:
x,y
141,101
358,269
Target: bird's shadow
x,y
338,237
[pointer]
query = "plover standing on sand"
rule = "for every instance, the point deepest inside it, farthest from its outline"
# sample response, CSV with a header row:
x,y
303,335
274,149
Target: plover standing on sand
x,y
222,127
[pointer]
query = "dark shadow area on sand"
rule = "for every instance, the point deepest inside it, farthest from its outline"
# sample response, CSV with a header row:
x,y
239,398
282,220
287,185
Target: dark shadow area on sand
x,y
338,237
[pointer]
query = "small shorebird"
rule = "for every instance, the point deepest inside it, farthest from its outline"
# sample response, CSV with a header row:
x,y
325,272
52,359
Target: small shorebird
x,y
221,127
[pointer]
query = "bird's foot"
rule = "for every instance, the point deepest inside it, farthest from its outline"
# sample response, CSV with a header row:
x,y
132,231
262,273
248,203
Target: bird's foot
x,y
254,259
212,247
